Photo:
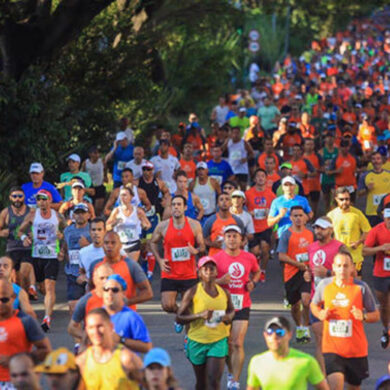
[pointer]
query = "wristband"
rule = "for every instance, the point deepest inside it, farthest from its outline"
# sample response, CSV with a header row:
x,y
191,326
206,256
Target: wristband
x,y
23,237
364,317
328,273
122,340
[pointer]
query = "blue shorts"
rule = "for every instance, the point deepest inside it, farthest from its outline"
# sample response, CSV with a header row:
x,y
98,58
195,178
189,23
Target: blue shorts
x,y
154,220
74,291
312,318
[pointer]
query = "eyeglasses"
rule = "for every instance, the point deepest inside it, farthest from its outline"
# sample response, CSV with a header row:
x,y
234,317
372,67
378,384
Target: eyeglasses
x,y
115,290
17,196
278,331
343,199
5,299
42,198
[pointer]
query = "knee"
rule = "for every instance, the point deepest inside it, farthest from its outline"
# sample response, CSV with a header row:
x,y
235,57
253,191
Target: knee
x,y
236,344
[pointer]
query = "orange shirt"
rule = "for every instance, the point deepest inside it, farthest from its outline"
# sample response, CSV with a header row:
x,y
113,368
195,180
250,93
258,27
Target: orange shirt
x,y
302,166
307,131
288,140
217,230
347,176
314,182
366,136
271,179
189,167
259,203
263,156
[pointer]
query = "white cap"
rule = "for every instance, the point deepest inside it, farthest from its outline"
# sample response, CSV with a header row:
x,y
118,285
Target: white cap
x,y
36,167
78,183
74,157
120,136
147,164
238,193
235,228
288,179
201,165
323,223
242,109
298,97
386,213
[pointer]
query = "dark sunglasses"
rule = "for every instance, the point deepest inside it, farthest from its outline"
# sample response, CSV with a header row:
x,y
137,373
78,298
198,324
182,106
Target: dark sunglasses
x,y
278,331
115,290
42,198
5,299
17,196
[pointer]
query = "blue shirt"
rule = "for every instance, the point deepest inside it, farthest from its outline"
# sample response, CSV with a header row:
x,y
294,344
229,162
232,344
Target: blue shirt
x,y
16,289
220,171
30,191
129,324
281,202
121,157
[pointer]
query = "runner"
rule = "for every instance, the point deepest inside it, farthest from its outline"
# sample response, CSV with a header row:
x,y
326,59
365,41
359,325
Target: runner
x,y
377,244
22,374
350,226
45,225
259,200
128,221
218,168
282,367
269,151
208,310
20,333
187,162
179,235
137,162
10,220
343,304
293,253
239,273
272,172
214,225
286,170
106,365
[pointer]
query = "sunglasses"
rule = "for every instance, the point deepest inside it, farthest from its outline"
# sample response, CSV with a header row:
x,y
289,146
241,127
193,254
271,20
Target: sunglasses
x,y
42,198
278,331
5,299
115,290
17,196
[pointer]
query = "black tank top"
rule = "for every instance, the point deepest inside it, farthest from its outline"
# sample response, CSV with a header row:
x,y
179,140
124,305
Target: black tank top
x,y
14,222
153,193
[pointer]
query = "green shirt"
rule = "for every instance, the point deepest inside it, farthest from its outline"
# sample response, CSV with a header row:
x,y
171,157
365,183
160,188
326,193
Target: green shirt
x,y
294,372
67,176
242,123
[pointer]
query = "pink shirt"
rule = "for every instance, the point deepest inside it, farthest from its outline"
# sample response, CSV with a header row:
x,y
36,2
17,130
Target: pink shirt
x,y
239,267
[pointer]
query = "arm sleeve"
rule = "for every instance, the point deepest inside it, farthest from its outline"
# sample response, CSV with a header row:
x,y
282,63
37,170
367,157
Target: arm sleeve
x,y
32,329
136,272
79,311
315,375
208,225
283,242
369,302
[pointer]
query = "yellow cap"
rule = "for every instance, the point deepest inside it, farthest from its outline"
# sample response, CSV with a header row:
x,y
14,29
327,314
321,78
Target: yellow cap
x,y
59,361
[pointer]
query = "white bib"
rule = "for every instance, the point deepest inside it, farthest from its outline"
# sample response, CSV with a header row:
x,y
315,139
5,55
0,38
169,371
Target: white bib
x,y
74,256
340,328
217,178
302,257
215,319
180,254
237,300
386,264
121,165
376,199
260,213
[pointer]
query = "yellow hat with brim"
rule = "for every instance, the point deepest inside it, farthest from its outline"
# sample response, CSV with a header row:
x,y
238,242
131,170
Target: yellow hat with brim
x,y
59,361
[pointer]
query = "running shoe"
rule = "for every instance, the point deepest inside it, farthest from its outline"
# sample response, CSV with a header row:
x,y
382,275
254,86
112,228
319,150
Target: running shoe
x,y
286,304
185,343
150,275
385,339
307,336
46,323
32,293
178,327
262,276
230,380
299,335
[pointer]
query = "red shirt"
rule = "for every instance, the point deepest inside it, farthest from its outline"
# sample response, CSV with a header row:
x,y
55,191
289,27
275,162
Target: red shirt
x,y
240,268
189,167
380,235
347,176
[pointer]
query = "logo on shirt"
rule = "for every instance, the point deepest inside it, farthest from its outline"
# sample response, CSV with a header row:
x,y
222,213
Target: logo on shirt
x,y
319,257
236,270
303,243
340,300
3,335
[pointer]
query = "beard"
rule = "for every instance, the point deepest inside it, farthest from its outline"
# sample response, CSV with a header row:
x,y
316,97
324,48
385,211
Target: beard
x,y
17,204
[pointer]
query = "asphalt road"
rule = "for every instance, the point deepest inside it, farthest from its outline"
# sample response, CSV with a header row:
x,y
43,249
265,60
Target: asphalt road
x,y
267,302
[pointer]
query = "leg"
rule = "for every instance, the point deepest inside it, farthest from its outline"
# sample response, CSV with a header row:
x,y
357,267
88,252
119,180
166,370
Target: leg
x,y
168,301
265,248
317,330
214,370
201,376
50,296
72,305
27,276
336,381
236,347
296,313
305,299
99,206
384,307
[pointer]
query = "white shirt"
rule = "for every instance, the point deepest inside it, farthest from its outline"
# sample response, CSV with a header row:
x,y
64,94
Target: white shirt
x,y
88,255
130,135
137,169
167,167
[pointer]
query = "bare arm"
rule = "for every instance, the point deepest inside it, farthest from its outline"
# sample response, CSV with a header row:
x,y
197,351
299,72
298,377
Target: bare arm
x,y
249,149
215,185
370,251
4,232
112,221
42,348
183,314
144,199
158,236
198,205
111,201
323,385
25,304
144,293
134,345
132,365
110,154
75,329
144,220
284,258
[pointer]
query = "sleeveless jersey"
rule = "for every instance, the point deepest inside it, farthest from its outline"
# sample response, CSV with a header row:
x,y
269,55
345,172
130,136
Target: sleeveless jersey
x,y
96,171
17,289
45,242
328,158
14,222
213,330
237,152
207,196
129,229
106,376
153,193
182,263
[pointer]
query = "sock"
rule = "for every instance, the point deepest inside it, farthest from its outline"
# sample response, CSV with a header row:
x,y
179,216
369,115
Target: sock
x,y
151,261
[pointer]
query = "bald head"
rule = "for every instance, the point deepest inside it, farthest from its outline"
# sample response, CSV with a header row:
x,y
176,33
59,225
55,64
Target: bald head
x,y
21,368
112,246
100,275
5,287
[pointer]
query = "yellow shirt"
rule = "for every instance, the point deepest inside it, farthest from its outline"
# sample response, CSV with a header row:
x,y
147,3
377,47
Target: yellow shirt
x,y
348,228
381,188
203,331
385,166
106,376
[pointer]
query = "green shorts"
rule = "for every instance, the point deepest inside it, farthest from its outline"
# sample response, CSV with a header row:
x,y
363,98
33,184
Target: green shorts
x,y
197,353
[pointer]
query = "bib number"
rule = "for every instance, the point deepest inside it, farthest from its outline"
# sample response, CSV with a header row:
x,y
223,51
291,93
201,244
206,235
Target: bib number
x,y
217,178
340,328
74,256
215,319
260,213
351,189
205,203
126,235
121,165
377,199
237,300
302,257
236,155
45,251
386,264
180,254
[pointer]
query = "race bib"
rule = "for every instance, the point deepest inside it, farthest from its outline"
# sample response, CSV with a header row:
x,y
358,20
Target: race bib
x,y
74,256
237,300
180,254
151,212
45,251
302,257
386,264
340,328
121,165
215,319
205,203
260,213
376,199
351,189
127,235
217,178
236,155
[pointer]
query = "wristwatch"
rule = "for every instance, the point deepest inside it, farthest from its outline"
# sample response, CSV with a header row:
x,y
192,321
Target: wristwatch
x,y
122,340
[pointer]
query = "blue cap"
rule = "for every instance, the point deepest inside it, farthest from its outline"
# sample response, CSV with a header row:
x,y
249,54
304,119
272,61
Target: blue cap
x,y
159,356
118,279
381,380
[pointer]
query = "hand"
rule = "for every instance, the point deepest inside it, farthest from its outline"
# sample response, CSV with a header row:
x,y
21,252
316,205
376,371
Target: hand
x,y
61,254
323,314
282,212
225,279
83,242
207,314
164,265
4,233
217,243
320,271
302,267
250,285
371,186
226,319
192,250
27,241
386,247
81,279
355,244
243,161
357,313
307,276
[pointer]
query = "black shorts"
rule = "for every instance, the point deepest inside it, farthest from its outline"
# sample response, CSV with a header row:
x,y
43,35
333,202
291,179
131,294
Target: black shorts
x,y
314,196
45,269
354,369
100,192
20,256
262,236
295,287
242,315
381,284
134,247
241,177
180,286
74,291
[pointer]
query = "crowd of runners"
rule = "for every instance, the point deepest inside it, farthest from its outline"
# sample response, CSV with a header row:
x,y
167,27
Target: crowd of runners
x,y
277,174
